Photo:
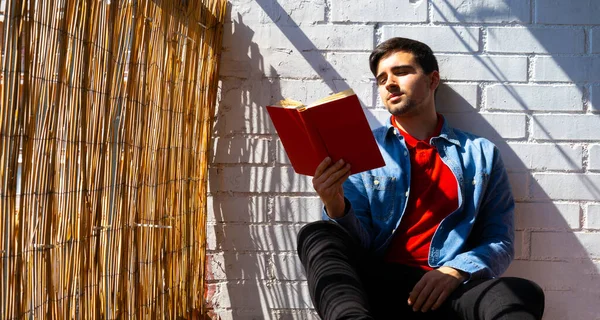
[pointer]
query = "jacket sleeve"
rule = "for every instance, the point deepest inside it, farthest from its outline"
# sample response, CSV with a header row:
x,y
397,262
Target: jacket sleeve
x,y
491,241
357,220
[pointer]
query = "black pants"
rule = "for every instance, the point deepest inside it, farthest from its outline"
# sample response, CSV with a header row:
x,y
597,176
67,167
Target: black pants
x,y
346,283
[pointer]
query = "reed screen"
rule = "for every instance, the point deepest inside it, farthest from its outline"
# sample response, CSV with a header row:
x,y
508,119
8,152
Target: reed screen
x,y
106,116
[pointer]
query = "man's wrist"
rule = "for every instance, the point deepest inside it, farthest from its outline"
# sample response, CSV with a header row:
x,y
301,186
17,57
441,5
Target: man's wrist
x,y
336,210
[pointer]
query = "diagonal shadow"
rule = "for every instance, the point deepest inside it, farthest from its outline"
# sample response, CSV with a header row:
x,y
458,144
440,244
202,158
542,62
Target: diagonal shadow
x,y
499,75
259,248
300,41
249,263
574,270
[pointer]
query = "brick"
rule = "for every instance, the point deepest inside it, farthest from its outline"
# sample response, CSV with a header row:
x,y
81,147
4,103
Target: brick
x,y
592,220
295,315
241,92
268,238
235,314
495,127
274,63
297,209
595,99
280,154
536,40
555,275
282,13
250,294
304,38
567,69
567,12
523,97
550,216
258,179
595,36
521,252
532,156
237,266
574,304
482,68
439,39
241,107
288,267
563,245
219,314
456,98
519,185
561,127
243,119
308,91
352,66
486,11
363,89
228,208
378,11
594,157
241,150
559,186
211,238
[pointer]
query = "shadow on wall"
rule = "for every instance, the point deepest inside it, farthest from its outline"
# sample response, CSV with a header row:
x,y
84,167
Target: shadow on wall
x,y
548,248
248,242
553,252
253,187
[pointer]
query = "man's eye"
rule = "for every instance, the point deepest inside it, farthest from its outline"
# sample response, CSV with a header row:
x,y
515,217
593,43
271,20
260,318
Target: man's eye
x,y
381,80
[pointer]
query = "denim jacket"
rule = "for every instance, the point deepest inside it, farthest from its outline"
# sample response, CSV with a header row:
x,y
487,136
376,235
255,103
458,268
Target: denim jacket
x,y
477,238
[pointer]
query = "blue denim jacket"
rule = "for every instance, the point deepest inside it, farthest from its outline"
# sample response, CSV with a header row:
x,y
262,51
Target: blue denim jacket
x,y
477,238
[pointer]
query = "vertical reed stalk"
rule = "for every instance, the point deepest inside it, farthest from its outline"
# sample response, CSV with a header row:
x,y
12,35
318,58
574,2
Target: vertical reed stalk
x,y
106,110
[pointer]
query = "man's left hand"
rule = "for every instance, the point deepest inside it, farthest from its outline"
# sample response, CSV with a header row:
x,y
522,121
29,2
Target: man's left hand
x,y
434,287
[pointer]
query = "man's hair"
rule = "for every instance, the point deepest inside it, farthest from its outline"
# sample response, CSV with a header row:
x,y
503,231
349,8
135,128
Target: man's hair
x,y
422,53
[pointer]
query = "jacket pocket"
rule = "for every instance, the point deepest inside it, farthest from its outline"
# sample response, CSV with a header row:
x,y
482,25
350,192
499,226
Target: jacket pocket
x,y
381,191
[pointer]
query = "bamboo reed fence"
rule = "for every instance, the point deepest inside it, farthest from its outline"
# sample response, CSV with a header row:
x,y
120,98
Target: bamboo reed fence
x,y
106,114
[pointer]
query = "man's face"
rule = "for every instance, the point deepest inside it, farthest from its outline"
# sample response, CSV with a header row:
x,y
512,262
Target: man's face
x,y
403,86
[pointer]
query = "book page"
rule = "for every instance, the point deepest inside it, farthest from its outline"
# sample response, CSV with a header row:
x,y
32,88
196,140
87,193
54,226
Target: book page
x,y
336,96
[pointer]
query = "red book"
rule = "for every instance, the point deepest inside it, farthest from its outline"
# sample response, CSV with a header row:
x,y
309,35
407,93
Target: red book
x,y
334,126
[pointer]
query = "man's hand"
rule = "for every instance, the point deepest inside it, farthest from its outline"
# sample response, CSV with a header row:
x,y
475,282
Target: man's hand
x,y
327,181
434,287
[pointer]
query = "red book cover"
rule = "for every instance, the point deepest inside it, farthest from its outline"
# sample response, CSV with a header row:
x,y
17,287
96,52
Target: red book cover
x,y
335,126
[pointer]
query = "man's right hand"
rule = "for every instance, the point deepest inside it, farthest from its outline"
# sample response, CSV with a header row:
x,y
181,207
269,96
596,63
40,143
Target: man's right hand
x,y
327,181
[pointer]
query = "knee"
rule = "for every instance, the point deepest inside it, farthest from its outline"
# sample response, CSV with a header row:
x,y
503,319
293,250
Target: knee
x,y
528,294
321,234
526,289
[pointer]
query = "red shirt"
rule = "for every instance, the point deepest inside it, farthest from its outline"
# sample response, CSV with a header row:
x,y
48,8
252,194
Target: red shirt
x,y
433,196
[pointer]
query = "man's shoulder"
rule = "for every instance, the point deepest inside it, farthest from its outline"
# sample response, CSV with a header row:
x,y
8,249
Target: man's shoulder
x,y
469,139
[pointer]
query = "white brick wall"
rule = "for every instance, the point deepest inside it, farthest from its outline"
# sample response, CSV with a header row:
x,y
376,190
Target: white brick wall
x,y
524,73
595,36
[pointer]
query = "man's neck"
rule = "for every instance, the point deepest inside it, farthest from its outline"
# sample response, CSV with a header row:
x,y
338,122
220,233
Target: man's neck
x,y
420,126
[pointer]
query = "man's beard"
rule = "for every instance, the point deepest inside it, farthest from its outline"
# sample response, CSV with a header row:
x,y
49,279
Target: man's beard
x,y
402,108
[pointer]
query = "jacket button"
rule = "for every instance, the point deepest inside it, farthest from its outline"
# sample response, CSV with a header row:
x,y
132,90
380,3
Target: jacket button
x,y
376,182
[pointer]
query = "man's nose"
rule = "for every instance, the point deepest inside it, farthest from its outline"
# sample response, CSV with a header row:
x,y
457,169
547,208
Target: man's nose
x,y
391,83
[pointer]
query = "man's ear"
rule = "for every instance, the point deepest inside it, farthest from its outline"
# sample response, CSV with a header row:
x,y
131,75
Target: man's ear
x,y
435,80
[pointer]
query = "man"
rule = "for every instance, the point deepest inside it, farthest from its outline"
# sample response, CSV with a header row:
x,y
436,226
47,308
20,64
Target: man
x,y
427,235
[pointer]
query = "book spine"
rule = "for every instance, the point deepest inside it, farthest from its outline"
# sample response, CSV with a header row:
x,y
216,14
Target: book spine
x,y
316,141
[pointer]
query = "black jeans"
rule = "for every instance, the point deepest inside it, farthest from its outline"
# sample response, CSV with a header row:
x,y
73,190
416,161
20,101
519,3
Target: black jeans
x,y
347,283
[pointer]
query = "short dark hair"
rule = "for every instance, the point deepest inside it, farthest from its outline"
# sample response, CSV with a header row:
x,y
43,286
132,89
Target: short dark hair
x,y
422,53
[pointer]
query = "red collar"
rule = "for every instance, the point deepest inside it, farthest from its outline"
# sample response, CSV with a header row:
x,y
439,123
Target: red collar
x,y
412,141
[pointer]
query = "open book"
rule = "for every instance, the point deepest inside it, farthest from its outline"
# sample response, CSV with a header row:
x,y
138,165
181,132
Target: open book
x,y
334,126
